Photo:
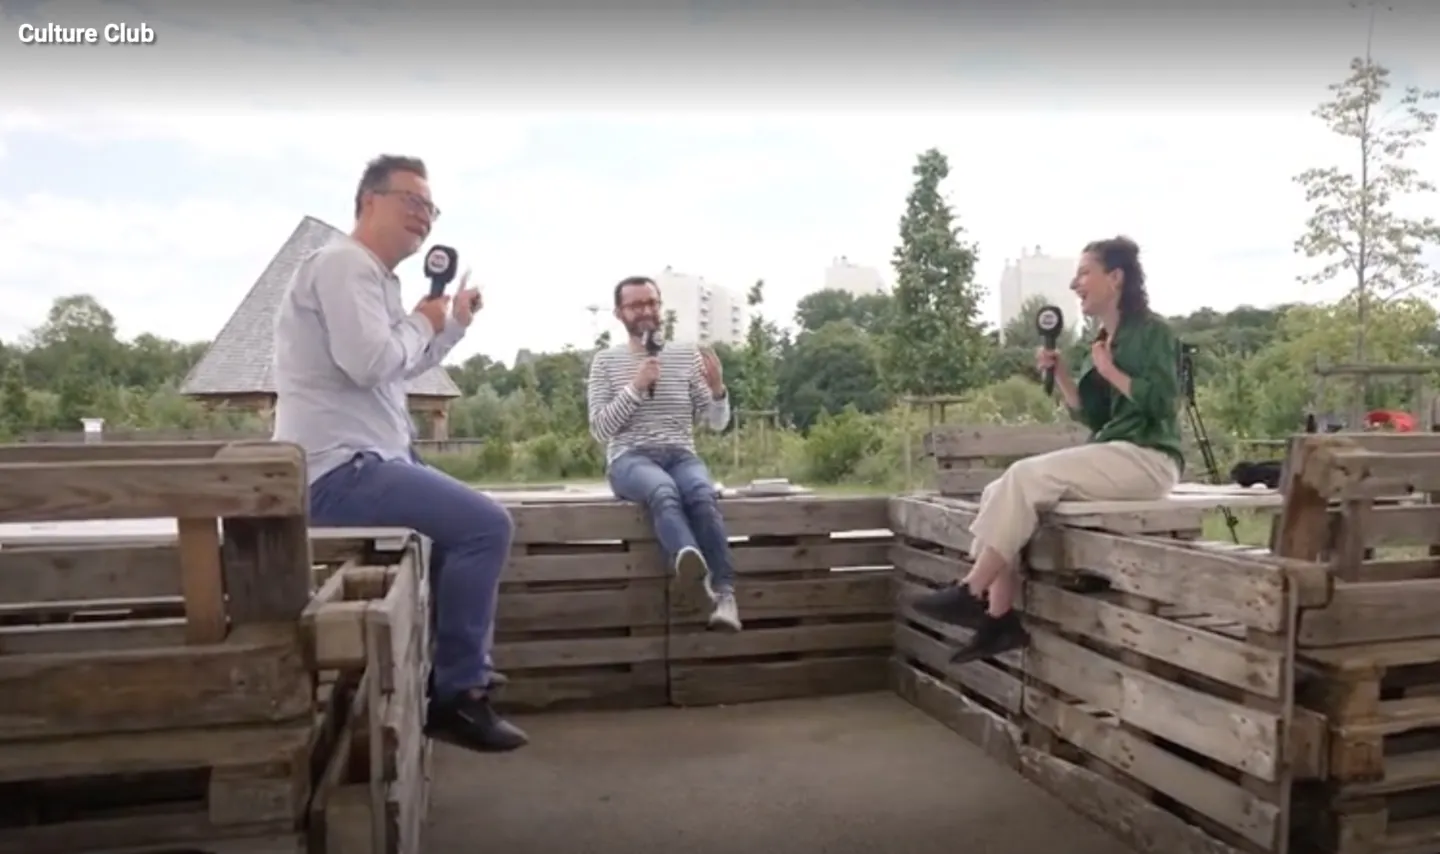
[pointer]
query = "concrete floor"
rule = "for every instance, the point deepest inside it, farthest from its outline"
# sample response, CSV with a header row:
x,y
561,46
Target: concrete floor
x,y
845,775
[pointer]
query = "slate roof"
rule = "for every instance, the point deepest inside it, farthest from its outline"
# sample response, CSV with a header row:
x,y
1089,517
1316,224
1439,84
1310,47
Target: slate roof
x,y
240,360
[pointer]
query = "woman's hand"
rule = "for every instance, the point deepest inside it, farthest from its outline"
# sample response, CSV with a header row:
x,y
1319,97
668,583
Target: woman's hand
x,y
1046,360
1102,358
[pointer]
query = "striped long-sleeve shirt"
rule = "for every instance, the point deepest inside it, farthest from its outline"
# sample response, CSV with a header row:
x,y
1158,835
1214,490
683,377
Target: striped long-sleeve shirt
x,y
623,420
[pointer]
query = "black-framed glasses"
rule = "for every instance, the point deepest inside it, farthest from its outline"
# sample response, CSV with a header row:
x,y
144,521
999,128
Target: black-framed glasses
x,y
414,201
641,305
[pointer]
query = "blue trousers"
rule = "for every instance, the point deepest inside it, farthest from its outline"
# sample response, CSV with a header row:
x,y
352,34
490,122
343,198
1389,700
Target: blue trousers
x,y
470,542
684,510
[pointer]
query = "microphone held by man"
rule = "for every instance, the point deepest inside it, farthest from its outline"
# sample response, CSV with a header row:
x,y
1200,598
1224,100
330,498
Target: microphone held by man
x,y
441,262
651,369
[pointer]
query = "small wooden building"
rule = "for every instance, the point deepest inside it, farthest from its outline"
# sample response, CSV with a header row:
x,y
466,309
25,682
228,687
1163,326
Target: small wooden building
x,y
238,368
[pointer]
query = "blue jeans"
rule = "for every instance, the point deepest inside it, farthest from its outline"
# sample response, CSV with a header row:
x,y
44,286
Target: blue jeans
x,y
684,510
470,542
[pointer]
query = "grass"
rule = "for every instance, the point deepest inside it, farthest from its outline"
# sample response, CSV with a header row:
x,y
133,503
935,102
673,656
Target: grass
x,y
1252,529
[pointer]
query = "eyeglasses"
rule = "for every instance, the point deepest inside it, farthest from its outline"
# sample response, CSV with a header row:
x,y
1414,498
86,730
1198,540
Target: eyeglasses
x,y
414,202
640,305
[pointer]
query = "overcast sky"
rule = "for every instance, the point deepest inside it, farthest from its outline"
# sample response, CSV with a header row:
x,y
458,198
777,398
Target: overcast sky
x,y
569,149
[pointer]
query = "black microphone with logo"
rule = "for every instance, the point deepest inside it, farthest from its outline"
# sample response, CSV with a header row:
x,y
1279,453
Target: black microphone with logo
x,y
440,264
653,346
1050,322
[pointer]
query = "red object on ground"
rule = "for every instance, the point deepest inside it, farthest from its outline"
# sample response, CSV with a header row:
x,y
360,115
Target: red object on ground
x,y
1400,422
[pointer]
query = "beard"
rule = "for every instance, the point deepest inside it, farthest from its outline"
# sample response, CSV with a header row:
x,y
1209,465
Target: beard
x,y
637,328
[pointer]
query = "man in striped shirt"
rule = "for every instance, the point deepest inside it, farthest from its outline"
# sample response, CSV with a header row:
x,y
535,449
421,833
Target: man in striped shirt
x,y
644,408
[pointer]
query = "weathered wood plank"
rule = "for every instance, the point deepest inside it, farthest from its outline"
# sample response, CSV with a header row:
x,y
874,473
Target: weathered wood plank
x,y
1206,792
641,604
89,637
984,679
1251,668
642,560
87,452
1244,738
202,580
1369,612
1337,470
997,737
258,674
1248,591
1132,817
56,492
515,655
1002,440
50,574
844,594
701,644
779,516
759,681
267,569
965,481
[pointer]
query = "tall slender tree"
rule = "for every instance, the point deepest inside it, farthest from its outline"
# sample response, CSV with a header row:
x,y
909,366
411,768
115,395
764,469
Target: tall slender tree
x,y
935,343
1358,227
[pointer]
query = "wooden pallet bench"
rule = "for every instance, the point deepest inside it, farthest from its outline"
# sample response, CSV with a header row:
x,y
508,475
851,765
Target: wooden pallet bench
x,y
1369,658
589,616
155,696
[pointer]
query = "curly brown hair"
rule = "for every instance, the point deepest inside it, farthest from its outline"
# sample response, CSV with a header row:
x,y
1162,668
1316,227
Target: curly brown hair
x,y
1123,254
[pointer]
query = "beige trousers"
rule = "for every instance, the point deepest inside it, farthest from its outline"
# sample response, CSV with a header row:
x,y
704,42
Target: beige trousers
x,y
1011,505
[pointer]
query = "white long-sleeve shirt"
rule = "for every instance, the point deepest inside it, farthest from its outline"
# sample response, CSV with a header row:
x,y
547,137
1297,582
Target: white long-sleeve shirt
x,y
623,420
344,349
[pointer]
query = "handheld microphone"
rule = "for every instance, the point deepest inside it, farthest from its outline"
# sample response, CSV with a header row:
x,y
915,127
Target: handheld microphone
x,y
440,264
653,346
1050,322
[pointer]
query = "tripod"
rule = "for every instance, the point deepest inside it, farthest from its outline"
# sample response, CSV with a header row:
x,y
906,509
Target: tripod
x,y
1197,429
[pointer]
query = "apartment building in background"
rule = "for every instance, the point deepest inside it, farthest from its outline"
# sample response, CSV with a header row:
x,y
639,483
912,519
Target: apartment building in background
x,y
855,279
705,312
1035,274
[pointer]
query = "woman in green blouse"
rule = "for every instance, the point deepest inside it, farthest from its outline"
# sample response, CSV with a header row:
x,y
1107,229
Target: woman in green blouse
x,y
1128,395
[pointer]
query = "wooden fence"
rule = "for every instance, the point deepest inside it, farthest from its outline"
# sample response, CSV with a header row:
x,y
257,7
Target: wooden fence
x,y
590,617
1369,657
155,695
244,679
211,434
1205,697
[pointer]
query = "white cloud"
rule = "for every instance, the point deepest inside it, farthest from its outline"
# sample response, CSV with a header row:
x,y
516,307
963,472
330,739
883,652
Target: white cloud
x,y
1209,197
1206,188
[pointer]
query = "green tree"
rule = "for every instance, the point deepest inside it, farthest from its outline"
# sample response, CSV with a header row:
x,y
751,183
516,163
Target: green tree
x,y
829,369
668,327
936,344
870,312
16,417
758,384
1356,226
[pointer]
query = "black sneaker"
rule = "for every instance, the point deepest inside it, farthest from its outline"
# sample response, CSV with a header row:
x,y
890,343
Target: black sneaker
x,y
994,636
469,721
954,604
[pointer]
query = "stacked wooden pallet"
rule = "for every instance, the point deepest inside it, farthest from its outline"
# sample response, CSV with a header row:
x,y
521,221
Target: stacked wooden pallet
x,y
154,692
368,636
590,617
1369,659
1157,697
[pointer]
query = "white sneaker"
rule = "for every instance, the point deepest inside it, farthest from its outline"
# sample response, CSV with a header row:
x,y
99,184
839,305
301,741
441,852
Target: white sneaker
x,y
689,563
726,616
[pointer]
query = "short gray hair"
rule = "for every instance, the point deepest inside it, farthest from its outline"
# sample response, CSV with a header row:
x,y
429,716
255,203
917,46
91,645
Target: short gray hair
x,y
376,178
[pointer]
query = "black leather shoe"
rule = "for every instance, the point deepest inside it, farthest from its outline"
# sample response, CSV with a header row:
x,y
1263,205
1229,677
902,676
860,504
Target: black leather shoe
x,y
470,721
954,604
994,636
